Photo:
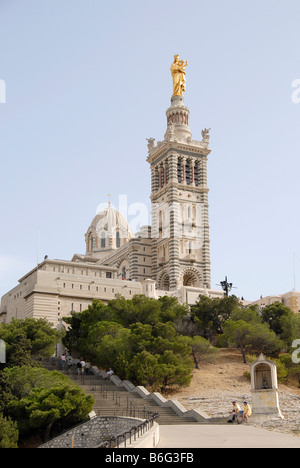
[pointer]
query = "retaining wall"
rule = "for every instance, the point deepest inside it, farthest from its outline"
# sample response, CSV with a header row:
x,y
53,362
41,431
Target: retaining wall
x,y
92,433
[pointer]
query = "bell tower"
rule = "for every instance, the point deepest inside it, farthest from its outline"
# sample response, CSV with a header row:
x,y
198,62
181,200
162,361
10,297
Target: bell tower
x,y
179,197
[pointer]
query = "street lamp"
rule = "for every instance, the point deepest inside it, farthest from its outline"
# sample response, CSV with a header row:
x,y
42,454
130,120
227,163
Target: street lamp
x,y
226,286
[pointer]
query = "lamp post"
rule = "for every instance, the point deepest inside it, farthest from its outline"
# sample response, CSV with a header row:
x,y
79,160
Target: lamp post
x,y
226,286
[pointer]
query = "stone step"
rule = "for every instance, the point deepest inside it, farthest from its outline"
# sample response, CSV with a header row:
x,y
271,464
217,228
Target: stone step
x,y
111,400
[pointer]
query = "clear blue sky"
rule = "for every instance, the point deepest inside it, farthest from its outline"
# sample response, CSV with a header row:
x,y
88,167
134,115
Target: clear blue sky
x,y
88,81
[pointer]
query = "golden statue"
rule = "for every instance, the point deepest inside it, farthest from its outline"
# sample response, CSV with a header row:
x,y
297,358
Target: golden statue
x,y
178,74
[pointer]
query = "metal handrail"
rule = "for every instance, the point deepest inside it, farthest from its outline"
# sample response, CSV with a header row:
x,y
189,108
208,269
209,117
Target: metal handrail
x,y
131,410
138,431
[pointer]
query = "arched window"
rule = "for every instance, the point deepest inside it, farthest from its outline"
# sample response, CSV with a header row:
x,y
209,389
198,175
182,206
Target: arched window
x,y
165,282
162,176
196,174
188,173
118,241
160,223
179,170
103,239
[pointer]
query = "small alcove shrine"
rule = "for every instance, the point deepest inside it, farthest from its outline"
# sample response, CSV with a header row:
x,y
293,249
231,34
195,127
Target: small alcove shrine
x,y
264,388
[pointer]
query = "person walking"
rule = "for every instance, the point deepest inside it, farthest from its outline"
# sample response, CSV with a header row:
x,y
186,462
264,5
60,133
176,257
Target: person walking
x,y
87,368
82,365
109,373
79,366
63,361
70,363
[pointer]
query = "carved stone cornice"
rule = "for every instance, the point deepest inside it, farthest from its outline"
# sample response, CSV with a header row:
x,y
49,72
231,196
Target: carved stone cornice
x,y
165,148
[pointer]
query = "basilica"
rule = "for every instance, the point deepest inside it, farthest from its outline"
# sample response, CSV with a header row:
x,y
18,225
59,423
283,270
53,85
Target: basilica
x,y
170,257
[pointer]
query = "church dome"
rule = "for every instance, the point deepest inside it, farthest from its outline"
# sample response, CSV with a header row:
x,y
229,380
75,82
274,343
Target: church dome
x,y
109,230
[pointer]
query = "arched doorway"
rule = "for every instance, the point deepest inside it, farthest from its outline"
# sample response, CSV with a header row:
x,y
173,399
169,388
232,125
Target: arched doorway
x,y
165,282
189,279
192,278
124,270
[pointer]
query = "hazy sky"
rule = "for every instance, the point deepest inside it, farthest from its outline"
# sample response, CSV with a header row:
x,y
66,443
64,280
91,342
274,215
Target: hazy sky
x,y
88,81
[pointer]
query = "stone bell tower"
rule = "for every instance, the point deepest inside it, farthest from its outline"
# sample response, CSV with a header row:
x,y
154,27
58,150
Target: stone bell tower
x,y
179,197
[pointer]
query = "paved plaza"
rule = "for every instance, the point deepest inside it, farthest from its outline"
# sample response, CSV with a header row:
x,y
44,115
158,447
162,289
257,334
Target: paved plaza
x,y
223,436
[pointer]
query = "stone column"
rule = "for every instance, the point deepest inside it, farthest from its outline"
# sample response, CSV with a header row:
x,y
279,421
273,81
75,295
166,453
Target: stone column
x,y
192,165
165,165
174,231
183,162
206,241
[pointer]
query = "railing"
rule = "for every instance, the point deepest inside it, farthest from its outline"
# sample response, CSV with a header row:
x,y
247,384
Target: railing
x,y
131,434
97,383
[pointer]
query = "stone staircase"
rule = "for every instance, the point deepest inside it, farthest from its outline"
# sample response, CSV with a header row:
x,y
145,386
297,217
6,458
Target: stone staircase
x,y
117,401
111,400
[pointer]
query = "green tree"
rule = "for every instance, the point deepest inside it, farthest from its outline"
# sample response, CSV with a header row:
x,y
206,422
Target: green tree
x,y
42,399
210,314
5,392
171,310
293,368
80,324
252,337
126,312
9,433
141,309
276,316
160,371
113,335
124,349
115,351
201,349
141,338
62,405
247,314
176,370
165,337
28,338
89,347
145,369
289,328
18,348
